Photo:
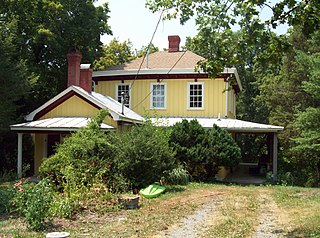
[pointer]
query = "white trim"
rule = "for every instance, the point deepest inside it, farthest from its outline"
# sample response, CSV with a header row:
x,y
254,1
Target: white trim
x,y
19,162
275,157
165,95
227,98
123,84
188,96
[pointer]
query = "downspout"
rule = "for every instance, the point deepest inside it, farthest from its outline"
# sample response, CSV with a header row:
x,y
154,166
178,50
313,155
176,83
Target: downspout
x,y
227,97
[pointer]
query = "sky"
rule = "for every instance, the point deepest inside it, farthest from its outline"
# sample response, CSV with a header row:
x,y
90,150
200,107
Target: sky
x,y
131,20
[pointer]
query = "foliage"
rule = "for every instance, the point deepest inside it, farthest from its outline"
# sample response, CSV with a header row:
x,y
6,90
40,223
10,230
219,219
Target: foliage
x,y
143,154
222,150
33,202
186,139
214,20
35,37
84,157
115,53
203,151
177,176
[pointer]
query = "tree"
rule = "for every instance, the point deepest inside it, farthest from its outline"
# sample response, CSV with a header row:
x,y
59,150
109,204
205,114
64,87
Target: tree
x,y
214,20
35,37
306,147
43,33
144,50
114,53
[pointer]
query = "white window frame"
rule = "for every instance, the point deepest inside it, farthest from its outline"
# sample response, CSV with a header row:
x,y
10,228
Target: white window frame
x,y
202,95
165,95
117,91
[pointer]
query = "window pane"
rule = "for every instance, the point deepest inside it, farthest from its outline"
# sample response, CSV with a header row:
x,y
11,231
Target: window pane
x,y
195,96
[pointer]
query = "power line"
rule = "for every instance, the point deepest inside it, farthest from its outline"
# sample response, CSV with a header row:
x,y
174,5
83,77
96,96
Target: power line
x,y
148,49
160,81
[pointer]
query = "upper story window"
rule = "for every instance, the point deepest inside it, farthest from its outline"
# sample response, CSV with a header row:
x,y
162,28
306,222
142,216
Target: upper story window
x,y
158,95
195,95
123,88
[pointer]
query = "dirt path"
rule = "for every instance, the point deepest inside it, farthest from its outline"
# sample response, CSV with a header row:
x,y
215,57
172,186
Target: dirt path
x,y
270,219
190,226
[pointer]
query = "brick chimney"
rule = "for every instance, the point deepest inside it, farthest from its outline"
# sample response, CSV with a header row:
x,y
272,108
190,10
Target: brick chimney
x,y
86,77
174,43
74,58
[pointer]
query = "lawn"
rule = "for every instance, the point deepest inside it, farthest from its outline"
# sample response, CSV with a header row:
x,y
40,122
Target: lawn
x,y
234,211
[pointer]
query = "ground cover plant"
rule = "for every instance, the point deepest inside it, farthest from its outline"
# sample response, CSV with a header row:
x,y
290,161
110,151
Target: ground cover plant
x,y
239,209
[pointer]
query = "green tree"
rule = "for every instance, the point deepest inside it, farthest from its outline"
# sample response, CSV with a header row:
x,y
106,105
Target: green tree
x,y
114,53
43,33
144,49
306,147
35,37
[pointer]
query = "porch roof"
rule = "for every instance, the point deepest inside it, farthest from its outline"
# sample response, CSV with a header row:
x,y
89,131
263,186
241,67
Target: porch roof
x,y
57,124
232,125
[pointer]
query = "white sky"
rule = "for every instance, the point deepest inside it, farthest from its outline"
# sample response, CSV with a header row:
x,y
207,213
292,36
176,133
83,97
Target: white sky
x,y
130,20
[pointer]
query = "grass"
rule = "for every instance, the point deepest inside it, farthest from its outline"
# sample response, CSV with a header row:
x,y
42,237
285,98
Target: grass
x,y
302,206
236,214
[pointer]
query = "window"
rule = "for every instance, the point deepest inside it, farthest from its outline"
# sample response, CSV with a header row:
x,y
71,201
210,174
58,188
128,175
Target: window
x,y
195,95
125,88
158,96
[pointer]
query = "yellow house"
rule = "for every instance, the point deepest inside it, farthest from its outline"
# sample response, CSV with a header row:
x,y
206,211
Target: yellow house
x,y
70,110
166,87
163,86
166,84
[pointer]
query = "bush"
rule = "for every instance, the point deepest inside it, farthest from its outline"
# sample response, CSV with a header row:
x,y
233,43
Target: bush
x,y
143,154
203,151
34,202
84,157
186,138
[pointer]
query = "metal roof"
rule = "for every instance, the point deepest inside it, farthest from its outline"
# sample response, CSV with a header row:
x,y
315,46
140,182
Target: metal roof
x,y
232,125
57,124
101,101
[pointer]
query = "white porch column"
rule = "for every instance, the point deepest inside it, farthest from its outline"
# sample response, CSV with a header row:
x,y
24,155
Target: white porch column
x,y
19,167
275,156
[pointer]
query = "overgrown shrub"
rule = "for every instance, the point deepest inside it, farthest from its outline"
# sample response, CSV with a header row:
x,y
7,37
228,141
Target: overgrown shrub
x,y
143,154
82,158
186,138
203,151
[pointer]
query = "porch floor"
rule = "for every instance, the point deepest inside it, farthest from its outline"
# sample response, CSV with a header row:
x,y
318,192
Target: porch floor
x,y
241,175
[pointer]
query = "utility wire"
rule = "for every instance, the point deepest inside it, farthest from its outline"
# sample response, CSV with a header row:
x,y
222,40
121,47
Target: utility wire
x,y
160,80
148,49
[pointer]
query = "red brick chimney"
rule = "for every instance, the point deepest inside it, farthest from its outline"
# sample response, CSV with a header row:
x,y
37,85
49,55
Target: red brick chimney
x,y
74,58
174,43
86,77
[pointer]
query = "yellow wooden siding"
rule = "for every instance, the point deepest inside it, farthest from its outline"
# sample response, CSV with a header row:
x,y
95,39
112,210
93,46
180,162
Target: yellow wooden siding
x,y
76,107
39,151
176,97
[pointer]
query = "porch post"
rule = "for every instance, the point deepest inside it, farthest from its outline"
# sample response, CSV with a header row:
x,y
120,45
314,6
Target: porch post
x,y
19,167
275,156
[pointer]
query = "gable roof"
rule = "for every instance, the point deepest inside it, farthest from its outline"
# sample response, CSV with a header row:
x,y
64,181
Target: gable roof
x,y
95,99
